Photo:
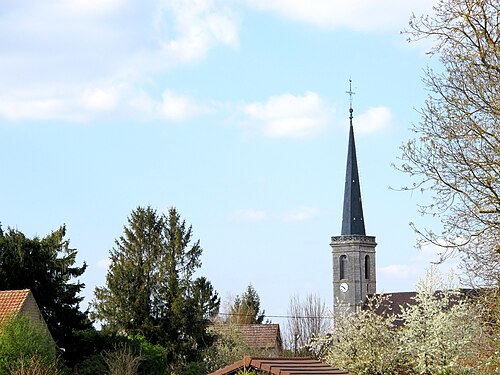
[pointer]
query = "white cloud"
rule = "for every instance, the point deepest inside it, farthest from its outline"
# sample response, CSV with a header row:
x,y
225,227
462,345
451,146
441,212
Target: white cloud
x,y
200,26
301,214
60,56
409,274
374,120
366,15
45,107
90,7
178,107
248,215
62,103
288,115
100,99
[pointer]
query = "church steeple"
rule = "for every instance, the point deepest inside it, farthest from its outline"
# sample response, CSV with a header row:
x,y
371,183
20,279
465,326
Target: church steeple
x,y
353,252
352,216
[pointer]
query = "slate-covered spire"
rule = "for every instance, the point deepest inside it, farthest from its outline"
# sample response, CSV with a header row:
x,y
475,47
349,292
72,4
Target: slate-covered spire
x,y
352,216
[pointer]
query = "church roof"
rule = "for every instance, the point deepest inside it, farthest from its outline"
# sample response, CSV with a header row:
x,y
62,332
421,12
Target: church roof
x,y
352,216
395,302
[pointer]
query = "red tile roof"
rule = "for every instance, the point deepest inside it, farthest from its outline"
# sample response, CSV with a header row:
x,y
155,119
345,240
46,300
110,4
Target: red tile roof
x,y
261,336
281,366
12,301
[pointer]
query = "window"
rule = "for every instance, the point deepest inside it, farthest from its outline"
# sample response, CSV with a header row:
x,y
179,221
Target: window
x,y
367,266
343,266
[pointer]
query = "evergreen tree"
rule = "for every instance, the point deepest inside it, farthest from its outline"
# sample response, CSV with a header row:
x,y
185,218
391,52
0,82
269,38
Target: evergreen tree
x,y
125,303
246,309
150,289
46,266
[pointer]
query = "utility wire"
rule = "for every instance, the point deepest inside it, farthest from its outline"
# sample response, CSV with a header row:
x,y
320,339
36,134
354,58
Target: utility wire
x,y
281,316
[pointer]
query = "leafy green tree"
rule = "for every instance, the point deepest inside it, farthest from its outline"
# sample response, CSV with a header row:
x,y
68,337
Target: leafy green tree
x,y
151,290
22,341
246,309
455,152
47,267
95,344
228,347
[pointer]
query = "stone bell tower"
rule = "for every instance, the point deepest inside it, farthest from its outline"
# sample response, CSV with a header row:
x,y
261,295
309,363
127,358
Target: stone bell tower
x,y
354,273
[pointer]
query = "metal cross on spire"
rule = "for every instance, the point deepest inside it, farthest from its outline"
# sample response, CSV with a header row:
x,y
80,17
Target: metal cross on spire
x,y
351,93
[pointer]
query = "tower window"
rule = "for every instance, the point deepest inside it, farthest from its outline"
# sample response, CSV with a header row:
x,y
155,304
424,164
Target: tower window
x,y
343,266
367,266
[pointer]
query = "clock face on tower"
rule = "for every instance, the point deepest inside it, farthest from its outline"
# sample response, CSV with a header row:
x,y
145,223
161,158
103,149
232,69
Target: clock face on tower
x,y
344,287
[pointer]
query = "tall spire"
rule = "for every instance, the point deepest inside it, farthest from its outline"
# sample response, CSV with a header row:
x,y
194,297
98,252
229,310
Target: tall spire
x,y
352,216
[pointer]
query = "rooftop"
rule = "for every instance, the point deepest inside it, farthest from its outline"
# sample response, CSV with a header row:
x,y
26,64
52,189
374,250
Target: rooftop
x,y
260,336
281,366
11,302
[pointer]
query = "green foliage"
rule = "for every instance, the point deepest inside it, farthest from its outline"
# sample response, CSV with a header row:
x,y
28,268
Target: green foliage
x,y
122,360
246,309
150,287
47,267
21,342
228,347
93,345
154,356
246,371
35,366
91,365
194,368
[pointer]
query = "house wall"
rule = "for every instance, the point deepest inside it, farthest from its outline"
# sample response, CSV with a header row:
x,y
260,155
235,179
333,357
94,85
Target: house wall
x,y
30,309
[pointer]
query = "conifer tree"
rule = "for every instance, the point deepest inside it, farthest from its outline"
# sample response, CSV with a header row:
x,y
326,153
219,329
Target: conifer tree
x,y
246,309
125,303
150,289
47,267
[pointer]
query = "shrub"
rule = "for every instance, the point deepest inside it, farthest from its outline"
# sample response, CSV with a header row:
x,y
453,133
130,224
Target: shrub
x,y
24,344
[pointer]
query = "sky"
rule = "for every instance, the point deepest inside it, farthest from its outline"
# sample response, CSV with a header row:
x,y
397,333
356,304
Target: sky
x,y
234,112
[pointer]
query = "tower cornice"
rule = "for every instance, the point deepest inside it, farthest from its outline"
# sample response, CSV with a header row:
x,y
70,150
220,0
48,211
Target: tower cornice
x,y
353,238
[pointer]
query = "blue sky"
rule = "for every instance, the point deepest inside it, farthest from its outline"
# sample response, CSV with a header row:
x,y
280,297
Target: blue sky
x,y
235,112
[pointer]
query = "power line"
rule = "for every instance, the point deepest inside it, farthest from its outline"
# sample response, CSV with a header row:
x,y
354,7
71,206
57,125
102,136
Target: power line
x,y
281,316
